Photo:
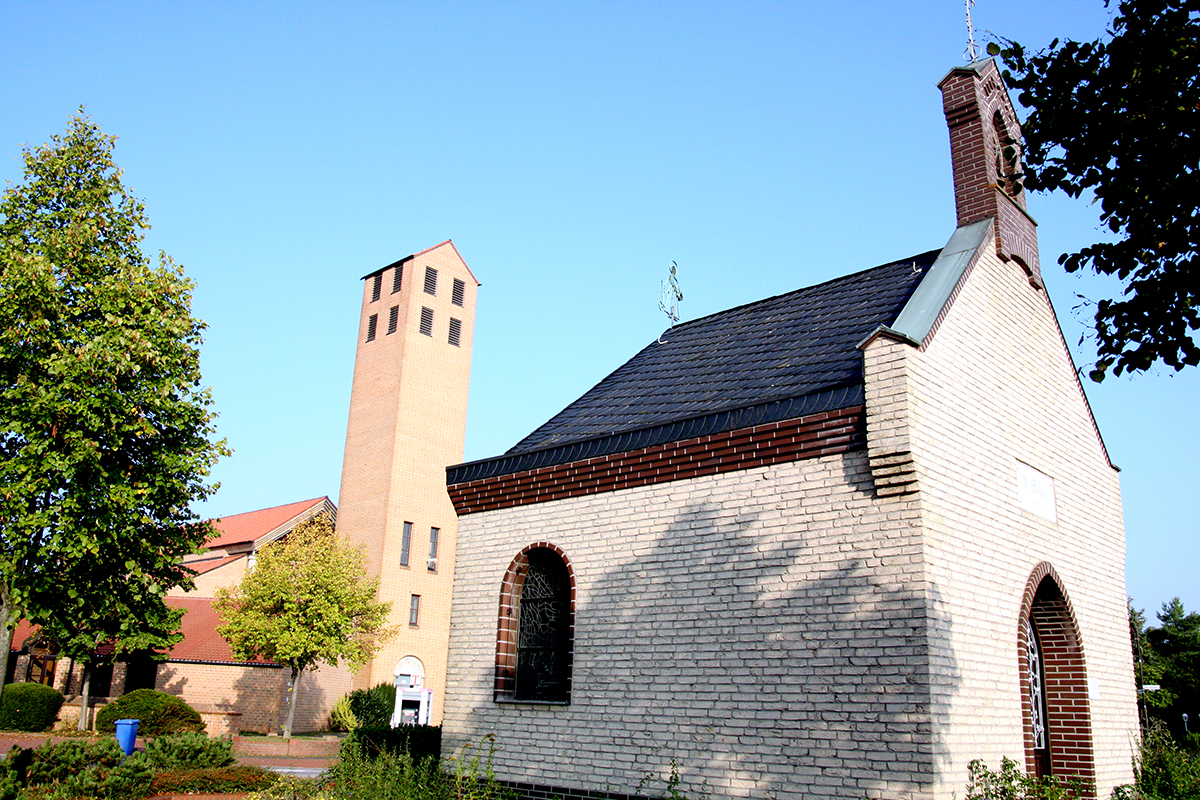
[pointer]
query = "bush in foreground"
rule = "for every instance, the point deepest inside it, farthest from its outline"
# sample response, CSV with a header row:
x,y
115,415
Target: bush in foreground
x,y
213,780
159,713
419,741
79,769
29,707
188,750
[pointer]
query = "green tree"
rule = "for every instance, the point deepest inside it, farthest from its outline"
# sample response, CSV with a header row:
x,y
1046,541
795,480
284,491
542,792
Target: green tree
x,y
1176,644
307,600
1118,117
105,431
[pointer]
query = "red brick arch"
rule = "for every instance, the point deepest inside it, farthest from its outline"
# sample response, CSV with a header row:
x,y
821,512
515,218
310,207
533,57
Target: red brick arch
x,y
1068,710
507,623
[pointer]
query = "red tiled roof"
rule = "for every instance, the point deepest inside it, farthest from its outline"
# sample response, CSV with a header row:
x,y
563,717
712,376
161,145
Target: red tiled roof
x,y
208,565
201,642
253,525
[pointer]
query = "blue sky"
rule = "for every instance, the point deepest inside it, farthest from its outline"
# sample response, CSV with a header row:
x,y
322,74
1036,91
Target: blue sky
x,y
571,151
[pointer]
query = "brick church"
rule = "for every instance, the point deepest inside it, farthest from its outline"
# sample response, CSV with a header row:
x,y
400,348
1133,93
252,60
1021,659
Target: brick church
x,y
836,543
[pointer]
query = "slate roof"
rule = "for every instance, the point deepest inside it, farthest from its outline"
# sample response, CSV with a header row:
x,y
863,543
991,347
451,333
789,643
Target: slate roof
x,y
776,359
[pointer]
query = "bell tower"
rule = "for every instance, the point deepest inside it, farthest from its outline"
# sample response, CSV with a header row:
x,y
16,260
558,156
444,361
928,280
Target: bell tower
x,y
985,151
408,414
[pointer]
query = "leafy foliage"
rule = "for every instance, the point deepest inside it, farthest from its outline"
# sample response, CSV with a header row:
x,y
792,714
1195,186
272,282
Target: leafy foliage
x,y
77,768
419,741
307,601
104,428
1011,782
1164,770
159,713
373,707
213,780
189,750
29,707
341,716
1119,118
1175,656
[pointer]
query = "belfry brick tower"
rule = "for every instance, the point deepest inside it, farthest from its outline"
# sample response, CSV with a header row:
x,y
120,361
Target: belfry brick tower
x,y
408,413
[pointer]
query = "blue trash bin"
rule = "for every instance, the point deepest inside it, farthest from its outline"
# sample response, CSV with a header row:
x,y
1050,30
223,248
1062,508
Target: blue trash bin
x,y
127,733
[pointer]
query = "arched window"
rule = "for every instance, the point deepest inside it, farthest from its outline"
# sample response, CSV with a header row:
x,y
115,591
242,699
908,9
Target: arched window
x,y
1054,691
536,627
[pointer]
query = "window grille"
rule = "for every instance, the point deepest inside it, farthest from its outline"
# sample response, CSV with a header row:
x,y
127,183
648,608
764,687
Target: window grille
x,y
430,280
372,324
397,277
455,331
544,630
458,292
405,544
427,321
414,610
393,318
376,286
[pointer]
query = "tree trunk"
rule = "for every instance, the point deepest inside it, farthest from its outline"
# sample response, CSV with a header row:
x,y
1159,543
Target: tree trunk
x,y
8,625
85,687
291,715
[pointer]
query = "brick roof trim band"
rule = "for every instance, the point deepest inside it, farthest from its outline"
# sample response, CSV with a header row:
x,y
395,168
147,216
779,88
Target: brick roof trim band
x,y
707,425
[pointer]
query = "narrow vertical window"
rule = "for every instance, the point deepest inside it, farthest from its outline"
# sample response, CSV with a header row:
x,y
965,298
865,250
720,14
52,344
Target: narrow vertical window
x,y
393,318
433,545
427,321
396,277
458,292
430,280
405,544
372,324
455,331
414,610
376,286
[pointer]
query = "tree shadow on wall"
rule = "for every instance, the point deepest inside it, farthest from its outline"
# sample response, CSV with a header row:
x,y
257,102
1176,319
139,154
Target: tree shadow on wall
x,y
775,652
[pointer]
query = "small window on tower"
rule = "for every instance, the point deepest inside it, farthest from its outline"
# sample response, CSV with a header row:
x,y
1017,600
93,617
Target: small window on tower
x,y
455,331
372,324
433,544
430,280
458,292
393,318
376,286
427,321
396,278
414,610
405,544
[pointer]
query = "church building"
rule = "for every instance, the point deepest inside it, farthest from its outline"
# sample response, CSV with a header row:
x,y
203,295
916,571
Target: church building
x,y
832,544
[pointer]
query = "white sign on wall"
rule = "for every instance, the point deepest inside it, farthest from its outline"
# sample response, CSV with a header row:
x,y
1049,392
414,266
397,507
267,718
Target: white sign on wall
x,y
1035,492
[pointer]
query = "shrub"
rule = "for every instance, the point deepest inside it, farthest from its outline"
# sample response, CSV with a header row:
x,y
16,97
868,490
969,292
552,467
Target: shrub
x,y
419,741
341,717
1013,783
29,707
289,787
1164,770
159,713
79,768
213,780
188,750
373,707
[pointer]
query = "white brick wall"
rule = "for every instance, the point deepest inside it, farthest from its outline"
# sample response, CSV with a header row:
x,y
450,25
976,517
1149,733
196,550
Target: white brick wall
x,y
763,628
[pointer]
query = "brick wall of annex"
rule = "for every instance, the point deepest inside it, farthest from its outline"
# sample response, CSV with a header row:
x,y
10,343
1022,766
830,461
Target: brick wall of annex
x,y
258,692
764,628
995,387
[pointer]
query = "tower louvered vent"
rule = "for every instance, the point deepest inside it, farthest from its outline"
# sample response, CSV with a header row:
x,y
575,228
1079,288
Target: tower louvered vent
x,y
455,331
430,280
427,321
372,325
396,277
458,292
376,286
393,318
